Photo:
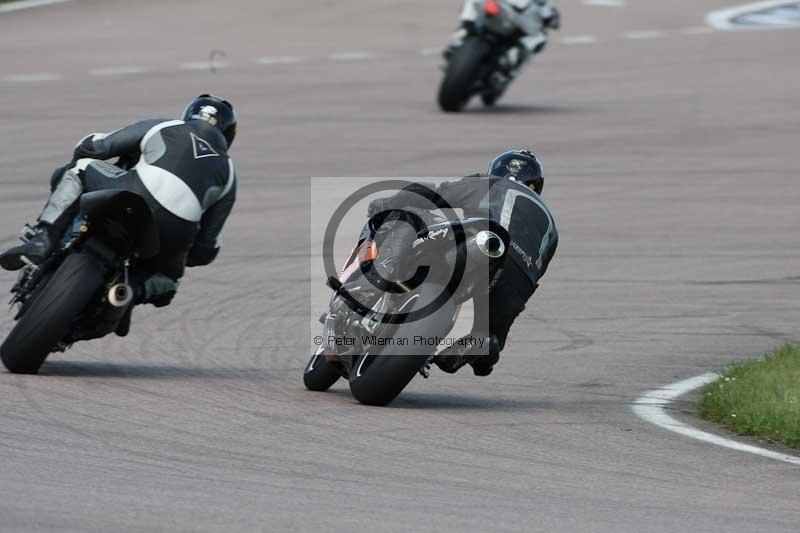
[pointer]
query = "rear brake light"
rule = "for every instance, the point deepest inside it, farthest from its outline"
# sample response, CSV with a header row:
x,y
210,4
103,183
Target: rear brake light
x,y
369,251
492,8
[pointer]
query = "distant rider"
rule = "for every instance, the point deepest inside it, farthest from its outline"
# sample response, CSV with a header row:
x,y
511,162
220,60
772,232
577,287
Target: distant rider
x,y
541,14
181,168
509,195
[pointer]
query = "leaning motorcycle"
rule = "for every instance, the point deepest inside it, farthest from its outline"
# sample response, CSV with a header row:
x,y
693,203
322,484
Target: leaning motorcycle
x,y
475,67
81,291
376,334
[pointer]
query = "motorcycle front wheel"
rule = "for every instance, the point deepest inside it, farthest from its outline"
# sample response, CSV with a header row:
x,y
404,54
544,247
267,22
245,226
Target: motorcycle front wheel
x,y
319,375
462,73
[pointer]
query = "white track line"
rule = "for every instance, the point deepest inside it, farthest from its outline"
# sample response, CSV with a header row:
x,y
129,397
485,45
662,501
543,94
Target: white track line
x,y
579,39
284,60
27,4
697,30
117,71
204,65
651,408
352,56
605,3
721,19
645,34
27,78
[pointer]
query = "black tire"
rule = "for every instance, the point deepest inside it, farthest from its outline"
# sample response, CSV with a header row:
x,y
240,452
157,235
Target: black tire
x,y
319,375
50,315
378,379
491,98
462,73
386,376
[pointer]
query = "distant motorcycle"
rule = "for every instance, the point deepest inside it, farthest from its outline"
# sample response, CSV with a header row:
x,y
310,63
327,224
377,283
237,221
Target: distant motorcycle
x,y
364,328
475,67
81,291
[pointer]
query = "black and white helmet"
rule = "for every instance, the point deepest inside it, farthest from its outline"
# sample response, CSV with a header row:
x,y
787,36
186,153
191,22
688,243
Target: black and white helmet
x,y
521,166
216,111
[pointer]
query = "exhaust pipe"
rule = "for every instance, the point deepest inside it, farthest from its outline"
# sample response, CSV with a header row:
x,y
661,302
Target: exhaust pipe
x,y
120,295
490,244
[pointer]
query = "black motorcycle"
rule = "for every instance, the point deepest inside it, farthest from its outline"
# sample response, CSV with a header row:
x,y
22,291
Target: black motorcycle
x,y
476,66
81,291
379,334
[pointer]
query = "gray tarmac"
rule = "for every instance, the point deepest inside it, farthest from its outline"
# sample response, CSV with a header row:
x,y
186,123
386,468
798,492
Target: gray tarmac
x,y
671,170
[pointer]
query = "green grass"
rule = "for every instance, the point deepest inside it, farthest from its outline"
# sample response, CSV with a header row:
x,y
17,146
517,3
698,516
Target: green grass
x,y
759,398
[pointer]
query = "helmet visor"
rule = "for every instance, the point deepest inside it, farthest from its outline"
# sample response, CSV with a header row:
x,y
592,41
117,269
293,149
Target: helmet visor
x,y
517,168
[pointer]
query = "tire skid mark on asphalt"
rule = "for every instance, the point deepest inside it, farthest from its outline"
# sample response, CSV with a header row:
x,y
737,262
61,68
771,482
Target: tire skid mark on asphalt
x,y
653,405
217,346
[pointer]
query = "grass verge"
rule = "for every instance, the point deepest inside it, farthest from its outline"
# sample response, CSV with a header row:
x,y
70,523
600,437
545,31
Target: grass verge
x,y
759,398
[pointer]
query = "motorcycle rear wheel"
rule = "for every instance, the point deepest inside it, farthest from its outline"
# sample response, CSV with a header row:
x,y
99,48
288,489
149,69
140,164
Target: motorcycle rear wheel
x,y
50,315
377,379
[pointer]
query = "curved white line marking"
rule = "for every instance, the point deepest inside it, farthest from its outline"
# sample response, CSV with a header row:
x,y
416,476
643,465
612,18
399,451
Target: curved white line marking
x,y
651,408
721,19
27,4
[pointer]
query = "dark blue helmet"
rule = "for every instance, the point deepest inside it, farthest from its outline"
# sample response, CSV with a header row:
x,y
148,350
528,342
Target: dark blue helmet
x,y
216,111
521,166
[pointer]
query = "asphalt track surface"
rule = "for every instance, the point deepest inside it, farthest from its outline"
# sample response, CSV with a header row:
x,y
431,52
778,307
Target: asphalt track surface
x,y
672,172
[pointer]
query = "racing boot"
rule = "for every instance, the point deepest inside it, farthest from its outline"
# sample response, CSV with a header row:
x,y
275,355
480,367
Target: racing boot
x,y
38,244
156,289
483,365
479,351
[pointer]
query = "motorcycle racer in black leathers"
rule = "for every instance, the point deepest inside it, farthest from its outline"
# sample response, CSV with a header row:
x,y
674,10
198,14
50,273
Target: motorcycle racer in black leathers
x,y
180,167
510,196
